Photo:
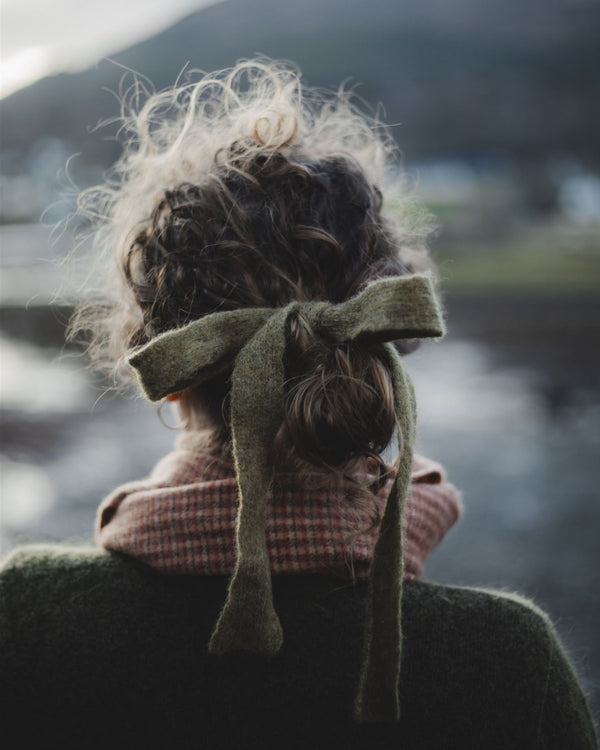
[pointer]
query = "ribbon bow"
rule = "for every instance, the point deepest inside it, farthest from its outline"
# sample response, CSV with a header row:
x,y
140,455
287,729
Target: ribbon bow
x,y
252,341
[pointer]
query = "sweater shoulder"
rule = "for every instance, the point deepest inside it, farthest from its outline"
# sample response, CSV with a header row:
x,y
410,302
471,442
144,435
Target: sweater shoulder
x,y
502,639
48,559
502,629
32,558
41,560
45,570
465,609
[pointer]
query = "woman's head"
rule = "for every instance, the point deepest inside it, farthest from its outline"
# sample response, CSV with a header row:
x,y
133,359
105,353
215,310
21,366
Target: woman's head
x,y
244,189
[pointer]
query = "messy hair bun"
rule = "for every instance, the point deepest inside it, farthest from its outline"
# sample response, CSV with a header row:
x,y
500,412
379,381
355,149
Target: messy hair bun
x,y
244,189
339,400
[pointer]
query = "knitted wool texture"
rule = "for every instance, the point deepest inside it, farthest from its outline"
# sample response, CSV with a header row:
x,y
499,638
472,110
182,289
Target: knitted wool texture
x,y
98,650
387,310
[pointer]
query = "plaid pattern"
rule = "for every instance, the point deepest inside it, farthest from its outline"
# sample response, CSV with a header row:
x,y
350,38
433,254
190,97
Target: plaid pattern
x,y
182,519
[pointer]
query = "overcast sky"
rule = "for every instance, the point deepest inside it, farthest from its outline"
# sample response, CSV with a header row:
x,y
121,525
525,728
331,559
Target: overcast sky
x,y
40,37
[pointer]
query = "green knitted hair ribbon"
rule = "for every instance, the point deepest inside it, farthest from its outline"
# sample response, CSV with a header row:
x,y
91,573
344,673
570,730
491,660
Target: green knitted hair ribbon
x,y
252,343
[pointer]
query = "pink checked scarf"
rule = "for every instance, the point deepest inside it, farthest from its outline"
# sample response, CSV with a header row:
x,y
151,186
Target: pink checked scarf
x,y
182,519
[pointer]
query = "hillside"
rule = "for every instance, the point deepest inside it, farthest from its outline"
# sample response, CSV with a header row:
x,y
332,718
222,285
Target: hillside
x,y
460,77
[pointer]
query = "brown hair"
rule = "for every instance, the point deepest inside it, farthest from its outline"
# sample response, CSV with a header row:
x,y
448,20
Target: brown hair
x,y
268,232
285,209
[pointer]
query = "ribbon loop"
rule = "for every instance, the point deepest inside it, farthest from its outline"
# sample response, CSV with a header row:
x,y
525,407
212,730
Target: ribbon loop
x,y
387,310
197,352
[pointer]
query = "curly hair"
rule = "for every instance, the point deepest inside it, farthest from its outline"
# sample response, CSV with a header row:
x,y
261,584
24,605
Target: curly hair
x,y
245,188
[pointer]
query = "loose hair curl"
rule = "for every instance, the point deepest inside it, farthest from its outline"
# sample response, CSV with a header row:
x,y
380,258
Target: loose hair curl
x,y
245,189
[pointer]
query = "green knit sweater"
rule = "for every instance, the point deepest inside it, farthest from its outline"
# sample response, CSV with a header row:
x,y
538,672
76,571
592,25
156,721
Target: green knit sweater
x,y
99,650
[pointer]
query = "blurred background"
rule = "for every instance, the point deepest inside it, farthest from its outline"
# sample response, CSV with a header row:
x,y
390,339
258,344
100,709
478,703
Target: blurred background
x,y
496,107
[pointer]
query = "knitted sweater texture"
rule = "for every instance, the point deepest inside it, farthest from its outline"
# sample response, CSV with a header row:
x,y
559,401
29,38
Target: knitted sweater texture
x,y
97,649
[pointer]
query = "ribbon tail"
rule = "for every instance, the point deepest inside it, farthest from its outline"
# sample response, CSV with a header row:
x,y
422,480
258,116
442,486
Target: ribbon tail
x,y
248,620
378,699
